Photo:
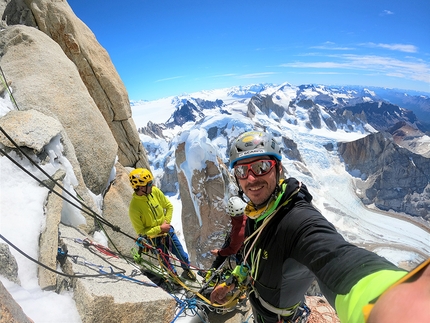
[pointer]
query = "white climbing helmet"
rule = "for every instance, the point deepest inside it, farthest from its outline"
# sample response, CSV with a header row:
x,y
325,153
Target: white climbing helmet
x,y
253,144
236,206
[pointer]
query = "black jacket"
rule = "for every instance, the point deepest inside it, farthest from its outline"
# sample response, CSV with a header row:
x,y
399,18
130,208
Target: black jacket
x,y
298,245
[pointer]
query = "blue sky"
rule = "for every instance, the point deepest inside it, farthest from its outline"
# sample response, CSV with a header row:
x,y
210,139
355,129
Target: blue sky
x,y
162,48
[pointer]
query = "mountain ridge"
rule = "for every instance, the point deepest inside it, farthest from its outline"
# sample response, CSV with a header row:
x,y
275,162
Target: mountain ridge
x,y
308,108
418,102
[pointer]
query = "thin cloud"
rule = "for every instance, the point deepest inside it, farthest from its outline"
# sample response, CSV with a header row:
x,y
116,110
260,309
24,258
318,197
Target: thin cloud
x,y
256,75
386,13
332,48
413,69
309,54
223,75
322,73
397,47
168,79
315,65
328,45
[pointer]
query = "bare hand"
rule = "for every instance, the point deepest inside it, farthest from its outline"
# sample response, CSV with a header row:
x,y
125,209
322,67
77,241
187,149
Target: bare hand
x,y
214,252
220,292
165,227
406,302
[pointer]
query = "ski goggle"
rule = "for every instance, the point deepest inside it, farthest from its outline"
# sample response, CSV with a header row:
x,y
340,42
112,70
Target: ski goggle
x,y
258,168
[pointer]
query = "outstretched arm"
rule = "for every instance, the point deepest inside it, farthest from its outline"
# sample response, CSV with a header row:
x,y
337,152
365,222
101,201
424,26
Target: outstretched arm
x,y
407,301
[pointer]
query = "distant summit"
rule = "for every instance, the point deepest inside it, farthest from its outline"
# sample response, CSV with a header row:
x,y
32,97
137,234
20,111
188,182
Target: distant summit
x,y
410,106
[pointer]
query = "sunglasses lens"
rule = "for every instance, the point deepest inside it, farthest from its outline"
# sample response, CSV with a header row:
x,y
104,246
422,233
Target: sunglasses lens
x,y
259,168
241,171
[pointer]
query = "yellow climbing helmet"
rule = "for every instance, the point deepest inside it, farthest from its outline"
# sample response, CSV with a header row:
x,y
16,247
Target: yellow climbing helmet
x,y
140,177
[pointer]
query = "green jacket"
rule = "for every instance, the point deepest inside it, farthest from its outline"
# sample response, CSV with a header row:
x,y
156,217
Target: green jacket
x,y
148,212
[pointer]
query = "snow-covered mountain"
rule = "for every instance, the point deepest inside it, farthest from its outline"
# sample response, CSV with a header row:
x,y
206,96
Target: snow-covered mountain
x,y
207,123
233,98
309,122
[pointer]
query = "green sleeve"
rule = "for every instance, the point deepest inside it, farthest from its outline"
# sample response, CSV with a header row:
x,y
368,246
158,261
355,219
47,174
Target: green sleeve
x,y
349,307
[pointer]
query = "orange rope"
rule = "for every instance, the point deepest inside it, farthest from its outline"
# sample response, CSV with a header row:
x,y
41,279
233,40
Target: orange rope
x,y
322,312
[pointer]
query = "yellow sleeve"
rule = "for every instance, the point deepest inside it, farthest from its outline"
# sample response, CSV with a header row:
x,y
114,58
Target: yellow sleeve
x,y
135,213
165,204
349,307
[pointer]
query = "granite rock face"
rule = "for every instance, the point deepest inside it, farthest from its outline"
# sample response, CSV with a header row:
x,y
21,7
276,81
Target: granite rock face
x,y
71,115
391,177
52,85
10,311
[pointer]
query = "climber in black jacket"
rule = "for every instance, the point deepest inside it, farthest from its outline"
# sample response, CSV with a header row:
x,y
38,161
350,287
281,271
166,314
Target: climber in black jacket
x,y
289,244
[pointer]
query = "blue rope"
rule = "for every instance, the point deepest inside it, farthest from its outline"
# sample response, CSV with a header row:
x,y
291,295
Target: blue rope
x,y
120,275
249,317
187,304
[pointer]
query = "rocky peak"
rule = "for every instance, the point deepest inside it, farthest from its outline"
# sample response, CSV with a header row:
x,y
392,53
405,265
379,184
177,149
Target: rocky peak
x,y
266,105
390,177
382,115
97,72
206,104
152,130
185,113
410,137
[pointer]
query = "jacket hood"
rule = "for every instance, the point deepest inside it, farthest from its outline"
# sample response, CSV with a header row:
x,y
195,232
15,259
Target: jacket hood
x,y
292,184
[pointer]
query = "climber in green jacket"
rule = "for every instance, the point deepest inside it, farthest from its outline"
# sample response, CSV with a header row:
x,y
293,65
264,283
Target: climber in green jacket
x,y
289,243
150,214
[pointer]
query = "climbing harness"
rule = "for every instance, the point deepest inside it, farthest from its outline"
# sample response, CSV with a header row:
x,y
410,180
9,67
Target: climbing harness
x,y
197,290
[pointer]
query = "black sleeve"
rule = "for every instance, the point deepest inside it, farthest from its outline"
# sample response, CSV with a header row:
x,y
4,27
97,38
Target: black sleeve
x,y
314,242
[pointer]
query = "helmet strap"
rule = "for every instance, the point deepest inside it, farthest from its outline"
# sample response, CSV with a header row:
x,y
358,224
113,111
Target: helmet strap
x,y
240,191
278,178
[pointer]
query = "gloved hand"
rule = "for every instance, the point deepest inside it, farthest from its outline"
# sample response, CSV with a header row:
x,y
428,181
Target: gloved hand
x,y
220,292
